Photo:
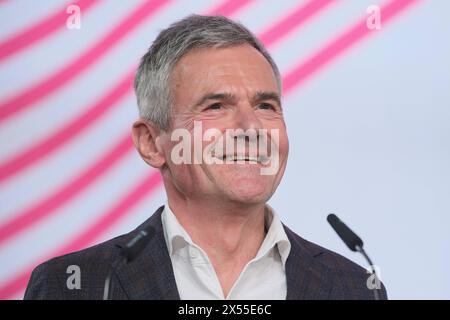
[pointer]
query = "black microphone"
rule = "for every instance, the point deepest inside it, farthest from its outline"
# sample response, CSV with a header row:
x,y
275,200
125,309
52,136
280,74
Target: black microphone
x,y
137,244
128,253
355,244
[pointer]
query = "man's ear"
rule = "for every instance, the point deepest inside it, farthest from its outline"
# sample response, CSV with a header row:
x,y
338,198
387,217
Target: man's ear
x,y
147,142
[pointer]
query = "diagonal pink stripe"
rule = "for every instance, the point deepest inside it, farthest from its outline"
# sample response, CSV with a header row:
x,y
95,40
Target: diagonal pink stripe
x,y
339,45
43,148
44,88
25,219
28,217
19,282
227,8
143,188
40,30
298,17
86,238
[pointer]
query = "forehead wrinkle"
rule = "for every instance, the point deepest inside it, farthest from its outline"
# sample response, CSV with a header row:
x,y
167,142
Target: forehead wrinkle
x,y
223,96
262,95
216,77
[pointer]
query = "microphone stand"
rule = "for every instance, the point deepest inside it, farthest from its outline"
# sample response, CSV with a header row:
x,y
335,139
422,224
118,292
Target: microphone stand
x,y
354,243
376,294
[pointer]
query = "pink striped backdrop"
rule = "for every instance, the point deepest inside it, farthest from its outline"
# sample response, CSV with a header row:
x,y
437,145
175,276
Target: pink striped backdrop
x,y
69,177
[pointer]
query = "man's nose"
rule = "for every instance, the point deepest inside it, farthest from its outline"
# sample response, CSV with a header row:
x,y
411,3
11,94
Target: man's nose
x,y
246,118
247,124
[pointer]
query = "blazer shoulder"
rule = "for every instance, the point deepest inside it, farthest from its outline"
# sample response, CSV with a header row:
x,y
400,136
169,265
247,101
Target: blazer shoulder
x,y
350,279
331,259
49,280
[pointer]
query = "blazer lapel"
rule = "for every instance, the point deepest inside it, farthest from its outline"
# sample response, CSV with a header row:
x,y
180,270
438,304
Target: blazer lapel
x,y
306,277
150,275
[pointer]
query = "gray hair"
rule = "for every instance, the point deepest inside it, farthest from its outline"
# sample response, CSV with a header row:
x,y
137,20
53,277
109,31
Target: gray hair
x,y
152,81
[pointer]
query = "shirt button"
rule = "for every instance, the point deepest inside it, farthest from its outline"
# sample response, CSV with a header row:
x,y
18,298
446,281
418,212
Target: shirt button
x,y
193,254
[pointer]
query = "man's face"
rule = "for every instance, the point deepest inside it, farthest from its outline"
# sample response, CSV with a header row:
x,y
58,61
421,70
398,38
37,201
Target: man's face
x,y
226,88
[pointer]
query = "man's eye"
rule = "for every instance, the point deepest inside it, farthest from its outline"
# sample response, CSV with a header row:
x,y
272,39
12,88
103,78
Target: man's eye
x,y
266,106
214,106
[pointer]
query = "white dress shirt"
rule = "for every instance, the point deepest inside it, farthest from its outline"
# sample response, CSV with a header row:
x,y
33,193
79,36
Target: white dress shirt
x,y
263,277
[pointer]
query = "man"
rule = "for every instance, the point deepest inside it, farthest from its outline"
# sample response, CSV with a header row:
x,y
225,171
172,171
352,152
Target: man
x,y
208,79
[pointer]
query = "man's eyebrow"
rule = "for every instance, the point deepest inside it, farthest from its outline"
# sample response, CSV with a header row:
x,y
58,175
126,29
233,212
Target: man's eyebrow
x,y
267,95
225,96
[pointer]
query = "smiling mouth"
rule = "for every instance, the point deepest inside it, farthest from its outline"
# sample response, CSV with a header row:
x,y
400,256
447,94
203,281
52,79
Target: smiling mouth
x,y
244,158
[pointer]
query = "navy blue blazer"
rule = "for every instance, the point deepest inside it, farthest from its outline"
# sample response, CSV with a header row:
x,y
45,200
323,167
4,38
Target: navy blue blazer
x,y
312,272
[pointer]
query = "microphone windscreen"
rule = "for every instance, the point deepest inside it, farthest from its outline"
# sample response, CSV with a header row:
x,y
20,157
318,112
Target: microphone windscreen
x,y
138,243
345,233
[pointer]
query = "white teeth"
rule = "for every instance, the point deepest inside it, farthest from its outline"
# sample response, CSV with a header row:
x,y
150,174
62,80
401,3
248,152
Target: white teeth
x,y
241,158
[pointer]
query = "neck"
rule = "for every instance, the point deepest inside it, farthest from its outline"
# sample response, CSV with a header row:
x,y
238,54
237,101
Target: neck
x,y
230,233
226,231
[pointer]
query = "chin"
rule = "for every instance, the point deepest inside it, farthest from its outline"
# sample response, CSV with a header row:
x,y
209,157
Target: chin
x,y
246,186
249,193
